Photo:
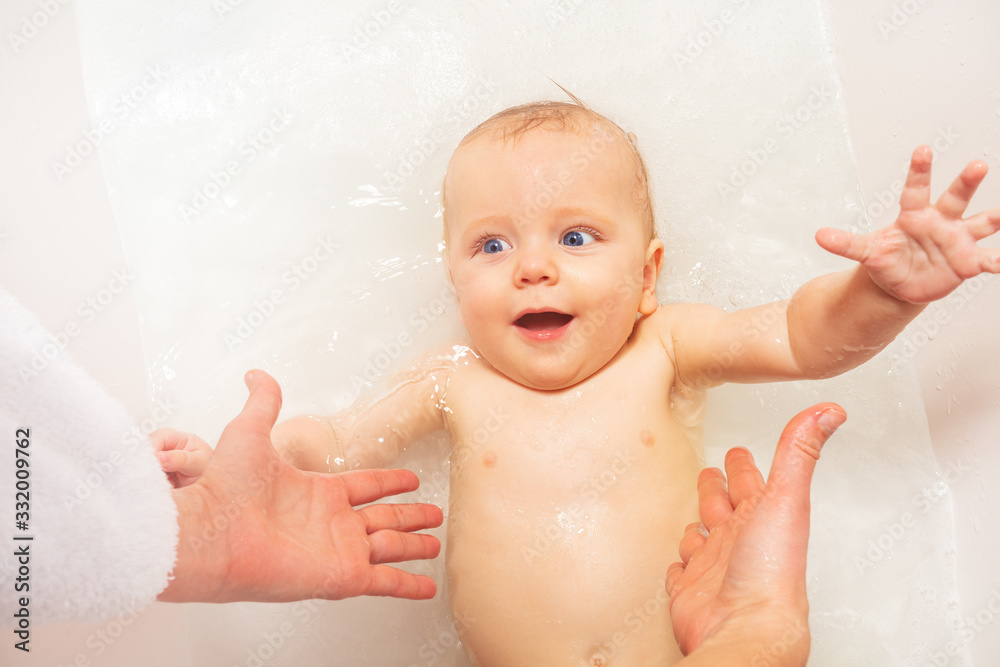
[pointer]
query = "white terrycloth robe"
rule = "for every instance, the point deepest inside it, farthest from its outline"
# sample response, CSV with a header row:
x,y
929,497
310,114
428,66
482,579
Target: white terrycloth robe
x,y
101,514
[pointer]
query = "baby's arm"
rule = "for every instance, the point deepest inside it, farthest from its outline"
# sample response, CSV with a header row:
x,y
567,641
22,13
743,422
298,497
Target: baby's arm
x,y
369,435
837,321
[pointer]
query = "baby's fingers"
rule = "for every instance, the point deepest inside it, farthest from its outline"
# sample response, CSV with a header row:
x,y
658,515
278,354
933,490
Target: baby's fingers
x,y
989,259
917,189
167,438
955,200
843,243
984,224
184,462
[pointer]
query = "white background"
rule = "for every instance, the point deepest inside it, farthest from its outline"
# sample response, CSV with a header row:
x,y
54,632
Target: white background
x,y
937,74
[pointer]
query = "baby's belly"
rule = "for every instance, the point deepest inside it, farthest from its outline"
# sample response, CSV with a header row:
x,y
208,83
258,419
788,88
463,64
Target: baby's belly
x,y
564,564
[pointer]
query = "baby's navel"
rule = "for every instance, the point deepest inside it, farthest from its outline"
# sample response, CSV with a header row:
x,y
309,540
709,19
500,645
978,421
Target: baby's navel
x,y
598,660
490,459
646,436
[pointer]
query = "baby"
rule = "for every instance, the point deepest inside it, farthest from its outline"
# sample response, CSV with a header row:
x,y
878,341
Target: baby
x,y
575,412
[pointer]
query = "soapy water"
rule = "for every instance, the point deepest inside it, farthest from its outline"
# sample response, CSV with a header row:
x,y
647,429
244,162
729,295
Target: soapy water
x,y
277,186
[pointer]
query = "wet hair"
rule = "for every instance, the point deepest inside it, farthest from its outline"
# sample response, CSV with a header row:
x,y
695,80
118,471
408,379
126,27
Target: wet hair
x,y
512,123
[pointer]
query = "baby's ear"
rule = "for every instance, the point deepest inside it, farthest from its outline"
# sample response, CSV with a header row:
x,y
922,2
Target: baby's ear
x,y
650,272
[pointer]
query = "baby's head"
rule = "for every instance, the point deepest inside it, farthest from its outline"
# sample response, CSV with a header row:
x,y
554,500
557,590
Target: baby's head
x,y
550,241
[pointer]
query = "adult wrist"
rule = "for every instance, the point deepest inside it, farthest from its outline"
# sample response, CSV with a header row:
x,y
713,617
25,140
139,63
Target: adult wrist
x,y
760,639
200,567
763,635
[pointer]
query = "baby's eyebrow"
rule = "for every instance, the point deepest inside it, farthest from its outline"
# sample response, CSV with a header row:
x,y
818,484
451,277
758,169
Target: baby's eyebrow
x,y
562,213
488,221
577,212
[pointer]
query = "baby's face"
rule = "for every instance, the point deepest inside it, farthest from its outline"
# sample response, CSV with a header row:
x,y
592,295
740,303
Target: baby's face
x,y
548,252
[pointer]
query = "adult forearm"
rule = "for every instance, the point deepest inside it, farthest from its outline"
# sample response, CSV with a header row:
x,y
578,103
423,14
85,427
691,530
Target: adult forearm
x,y
840,320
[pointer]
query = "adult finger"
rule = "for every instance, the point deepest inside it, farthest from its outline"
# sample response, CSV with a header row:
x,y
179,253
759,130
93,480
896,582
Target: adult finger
x,y
405,517
917,189
390,546
693,539
391,582
674,574
745,480
843,243
365,486
798,450
953,201
714,506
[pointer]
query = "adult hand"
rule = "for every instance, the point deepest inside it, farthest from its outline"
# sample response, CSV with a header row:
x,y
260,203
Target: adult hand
x,y
740,592
254,528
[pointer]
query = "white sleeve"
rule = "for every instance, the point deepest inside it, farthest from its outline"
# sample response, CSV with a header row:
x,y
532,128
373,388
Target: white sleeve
x,y
101,519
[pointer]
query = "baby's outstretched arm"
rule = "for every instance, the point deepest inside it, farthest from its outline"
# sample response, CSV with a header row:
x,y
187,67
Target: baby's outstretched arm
x,y
840,320
369,435
923,256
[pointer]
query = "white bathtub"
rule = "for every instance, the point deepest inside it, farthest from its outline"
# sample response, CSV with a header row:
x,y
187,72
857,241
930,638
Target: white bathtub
x,y
914,72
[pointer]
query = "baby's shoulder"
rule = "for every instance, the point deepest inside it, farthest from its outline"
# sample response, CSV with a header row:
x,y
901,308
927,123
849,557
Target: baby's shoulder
x,y
674,321
444,359
665,318
671,317
435,366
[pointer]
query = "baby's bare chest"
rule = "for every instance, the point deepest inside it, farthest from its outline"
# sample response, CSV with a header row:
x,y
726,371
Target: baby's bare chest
x,y
619,429
577,500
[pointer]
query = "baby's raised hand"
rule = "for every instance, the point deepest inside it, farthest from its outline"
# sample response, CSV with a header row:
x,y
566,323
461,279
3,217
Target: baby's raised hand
x,y
930,249
183,456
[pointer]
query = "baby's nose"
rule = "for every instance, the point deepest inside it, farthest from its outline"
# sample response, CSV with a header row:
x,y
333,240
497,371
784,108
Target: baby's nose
x,y
535,267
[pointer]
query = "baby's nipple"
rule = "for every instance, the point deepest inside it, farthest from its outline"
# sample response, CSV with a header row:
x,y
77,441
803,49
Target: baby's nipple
x,y
489,459
646,437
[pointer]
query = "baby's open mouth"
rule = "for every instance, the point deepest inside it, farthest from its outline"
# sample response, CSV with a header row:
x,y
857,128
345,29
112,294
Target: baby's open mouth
x,y
546,321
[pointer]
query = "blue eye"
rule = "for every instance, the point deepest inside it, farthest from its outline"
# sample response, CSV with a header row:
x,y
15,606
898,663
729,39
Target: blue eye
x,y
577,238
493,246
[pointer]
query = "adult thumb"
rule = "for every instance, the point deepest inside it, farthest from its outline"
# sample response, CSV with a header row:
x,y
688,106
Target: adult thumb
x,y
264,403
261,409
799,448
